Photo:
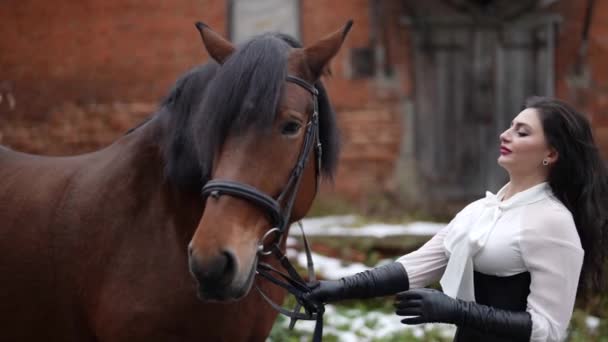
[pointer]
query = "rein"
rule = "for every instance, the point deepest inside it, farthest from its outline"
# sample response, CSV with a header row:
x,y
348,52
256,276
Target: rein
x,y
280,218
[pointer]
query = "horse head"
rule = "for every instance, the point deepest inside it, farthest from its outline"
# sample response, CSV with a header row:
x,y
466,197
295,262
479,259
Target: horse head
x,y
267,121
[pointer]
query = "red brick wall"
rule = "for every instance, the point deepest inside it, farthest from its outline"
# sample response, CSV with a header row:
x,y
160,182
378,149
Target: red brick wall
x,y
92,51
597,97
76,69
368,108
582,80
82,72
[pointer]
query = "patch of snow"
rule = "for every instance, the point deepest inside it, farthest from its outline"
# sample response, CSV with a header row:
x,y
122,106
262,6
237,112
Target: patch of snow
x,y
592,322
331,268
343,226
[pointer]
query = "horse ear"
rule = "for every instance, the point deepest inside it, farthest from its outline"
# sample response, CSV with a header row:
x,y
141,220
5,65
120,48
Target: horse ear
x,y
320,53
218,47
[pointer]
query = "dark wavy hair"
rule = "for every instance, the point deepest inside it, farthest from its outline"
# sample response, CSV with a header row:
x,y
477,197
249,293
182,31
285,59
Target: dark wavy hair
x,y
579,179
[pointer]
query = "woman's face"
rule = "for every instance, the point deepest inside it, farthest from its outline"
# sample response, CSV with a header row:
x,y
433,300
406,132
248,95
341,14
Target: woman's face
x,y
523,145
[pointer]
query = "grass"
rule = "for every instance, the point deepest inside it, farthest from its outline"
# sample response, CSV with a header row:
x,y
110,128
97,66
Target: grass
x,y
360,321
344,322
580,331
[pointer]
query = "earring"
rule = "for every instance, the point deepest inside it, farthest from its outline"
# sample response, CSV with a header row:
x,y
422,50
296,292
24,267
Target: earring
x,y
545,162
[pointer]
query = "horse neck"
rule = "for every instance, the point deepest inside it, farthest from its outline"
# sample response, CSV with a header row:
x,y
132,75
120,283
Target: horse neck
x,y
140,168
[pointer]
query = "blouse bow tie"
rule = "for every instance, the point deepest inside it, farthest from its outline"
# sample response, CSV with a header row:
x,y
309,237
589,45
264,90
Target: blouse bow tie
x,y
491,213
471,233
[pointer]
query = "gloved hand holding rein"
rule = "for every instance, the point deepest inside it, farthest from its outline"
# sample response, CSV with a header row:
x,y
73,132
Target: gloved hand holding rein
x,y
380,281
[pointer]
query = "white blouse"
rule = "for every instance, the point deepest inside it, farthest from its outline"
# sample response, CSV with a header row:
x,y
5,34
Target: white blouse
x,y
531,231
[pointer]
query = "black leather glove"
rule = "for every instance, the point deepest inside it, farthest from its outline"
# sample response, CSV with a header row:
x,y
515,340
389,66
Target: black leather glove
x,y
380,281
432,306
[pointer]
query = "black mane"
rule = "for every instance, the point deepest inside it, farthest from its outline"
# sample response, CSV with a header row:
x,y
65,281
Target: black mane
x,y
210,102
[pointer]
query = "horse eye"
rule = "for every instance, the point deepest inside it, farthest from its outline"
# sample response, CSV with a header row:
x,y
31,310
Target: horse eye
x,y
291,128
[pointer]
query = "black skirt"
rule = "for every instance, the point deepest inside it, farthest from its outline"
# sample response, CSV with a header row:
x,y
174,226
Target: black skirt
x,y
508,293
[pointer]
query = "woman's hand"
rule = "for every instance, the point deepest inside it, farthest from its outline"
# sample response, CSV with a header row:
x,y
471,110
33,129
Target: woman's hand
x,y
432,306
324,291
428,305
379,281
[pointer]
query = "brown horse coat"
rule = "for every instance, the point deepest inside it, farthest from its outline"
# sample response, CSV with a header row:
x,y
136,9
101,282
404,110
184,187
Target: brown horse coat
x,y
84,258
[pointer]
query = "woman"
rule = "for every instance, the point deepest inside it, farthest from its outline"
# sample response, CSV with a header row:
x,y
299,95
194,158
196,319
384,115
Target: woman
x,y
509,263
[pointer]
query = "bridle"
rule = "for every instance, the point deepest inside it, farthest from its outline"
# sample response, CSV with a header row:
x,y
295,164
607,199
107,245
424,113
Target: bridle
x,y
280,218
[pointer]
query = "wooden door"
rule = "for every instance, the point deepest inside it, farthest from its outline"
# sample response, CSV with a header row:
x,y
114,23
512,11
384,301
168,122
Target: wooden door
x,y
470,81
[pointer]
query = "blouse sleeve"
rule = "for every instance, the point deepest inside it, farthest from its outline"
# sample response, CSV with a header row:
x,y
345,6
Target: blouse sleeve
x,y
552,253
426,264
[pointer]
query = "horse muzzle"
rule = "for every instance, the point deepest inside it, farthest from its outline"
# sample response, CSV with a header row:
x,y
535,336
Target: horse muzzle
x,y
218,276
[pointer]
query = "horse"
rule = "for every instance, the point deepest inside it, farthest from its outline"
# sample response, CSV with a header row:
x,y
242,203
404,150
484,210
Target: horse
x,y
121,245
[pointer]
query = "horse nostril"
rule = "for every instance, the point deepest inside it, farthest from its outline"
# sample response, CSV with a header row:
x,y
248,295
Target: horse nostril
x,y
216,272
230,266
190,249
224,268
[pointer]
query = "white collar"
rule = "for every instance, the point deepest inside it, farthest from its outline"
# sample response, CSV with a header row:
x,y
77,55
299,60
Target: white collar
x,y
528,196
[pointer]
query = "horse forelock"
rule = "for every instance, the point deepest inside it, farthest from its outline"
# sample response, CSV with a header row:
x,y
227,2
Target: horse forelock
x,y
244,94
210,102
